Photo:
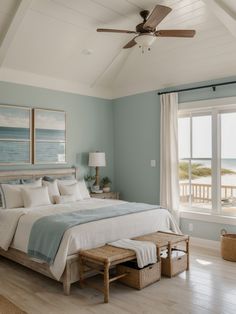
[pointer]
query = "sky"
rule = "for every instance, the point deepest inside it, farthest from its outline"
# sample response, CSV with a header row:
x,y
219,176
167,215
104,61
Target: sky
x,y
201,135
14,117
20,118
51,120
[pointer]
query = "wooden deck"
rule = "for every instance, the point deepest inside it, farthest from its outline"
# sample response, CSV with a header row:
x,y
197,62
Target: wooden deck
x,y
202,193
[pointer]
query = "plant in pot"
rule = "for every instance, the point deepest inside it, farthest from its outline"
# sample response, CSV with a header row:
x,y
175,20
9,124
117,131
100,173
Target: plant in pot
x,y
106,184
90,181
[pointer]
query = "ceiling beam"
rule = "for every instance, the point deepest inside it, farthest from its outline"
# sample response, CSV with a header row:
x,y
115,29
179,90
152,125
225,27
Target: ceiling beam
x,y
224,14
12,28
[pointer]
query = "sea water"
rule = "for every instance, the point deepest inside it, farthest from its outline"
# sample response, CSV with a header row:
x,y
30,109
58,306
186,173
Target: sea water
x,y
15,145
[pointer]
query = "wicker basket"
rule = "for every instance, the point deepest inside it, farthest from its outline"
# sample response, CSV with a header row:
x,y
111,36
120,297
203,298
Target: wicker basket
x,y
228,246
139,278
174,265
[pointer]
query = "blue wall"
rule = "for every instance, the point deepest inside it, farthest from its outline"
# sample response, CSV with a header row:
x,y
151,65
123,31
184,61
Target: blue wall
x,y
127,129
137,132
136,129
89,121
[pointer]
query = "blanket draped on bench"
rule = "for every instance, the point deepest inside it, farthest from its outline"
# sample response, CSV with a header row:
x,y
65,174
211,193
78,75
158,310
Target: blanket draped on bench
x,y
47,232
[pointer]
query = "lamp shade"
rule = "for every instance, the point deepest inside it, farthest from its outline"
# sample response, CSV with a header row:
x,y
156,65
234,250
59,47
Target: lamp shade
x,y
97,159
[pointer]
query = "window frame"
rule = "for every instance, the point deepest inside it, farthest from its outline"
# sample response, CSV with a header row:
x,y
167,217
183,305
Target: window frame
x,y
215,113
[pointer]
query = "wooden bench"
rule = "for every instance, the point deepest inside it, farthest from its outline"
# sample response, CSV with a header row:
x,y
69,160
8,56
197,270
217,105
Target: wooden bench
x,y
103,258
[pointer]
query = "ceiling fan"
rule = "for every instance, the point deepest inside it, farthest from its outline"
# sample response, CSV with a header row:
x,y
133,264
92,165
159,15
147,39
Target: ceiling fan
x,y
146,32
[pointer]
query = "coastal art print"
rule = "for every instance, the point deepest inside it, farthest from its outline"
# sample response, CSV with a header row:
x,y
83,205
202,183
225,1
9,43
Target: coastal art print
x,y
15,135
49,136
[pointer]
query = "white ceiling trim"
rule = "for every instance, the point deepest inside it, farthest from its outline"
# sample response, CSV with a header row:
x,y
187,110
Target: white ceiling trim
x,y
224,14
10,32
31,79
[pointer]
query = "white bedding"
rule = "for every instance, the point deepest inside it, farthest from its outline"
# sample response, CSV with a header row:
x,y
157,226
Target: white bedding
x,y
15,228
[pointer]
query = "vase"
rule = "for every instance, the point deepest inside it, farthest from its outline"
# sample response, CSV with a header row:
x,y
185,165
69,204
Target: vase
x,y
106,189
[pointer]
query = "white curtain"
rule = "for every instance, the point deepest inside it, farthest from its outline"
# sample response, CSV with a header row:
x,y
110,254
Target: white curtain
x,y
169,172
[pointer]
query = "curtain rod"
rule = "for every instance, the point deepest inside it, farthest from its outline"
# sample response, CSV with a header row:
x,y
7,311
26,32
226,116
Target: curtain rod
x,y
213,86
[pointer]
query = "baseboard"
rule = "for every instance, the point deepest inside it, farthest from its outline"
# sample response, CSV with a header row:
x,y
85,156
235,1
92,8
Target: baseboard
x,y
205,243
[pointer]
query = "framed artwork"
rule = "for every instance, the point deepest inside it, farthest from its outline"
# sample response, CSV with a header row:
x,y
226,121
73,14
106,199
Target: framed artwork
x,y
49,136
15,135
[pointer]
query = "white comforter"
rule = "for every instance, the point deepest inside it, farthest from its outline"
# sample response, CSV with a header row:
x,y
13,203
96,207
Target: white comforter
x,y
16,224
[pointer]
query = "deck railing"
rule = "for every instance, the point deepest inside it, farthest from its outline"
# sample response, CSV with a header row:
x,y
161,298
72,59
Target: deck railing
x,y
202,193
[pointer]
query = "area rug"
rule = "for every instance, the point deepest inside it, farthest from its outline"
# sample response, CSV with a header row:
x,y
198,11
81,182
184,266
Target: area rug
x,y
7,307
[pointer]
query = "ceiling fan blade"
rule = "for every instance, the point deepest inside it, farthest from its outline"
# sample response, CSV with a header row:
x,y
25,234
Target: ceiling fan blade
x,y
109,30
176,33
130,44
157,15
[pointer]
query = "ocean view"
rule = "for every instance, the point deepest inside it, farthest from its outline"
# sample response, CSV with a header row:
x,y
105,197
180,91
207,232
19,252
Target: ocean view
x,y
14,133
15,145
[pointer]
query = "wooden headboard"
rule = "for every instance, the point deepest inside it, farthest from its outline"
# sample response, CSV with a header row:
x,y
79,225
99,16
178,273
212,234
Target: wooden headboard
x,y
33,173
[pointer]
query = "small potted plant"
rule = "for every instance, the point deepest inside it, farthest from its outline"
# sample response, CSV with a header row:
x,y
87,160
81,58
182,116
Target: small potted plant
x,y
106,184
90,181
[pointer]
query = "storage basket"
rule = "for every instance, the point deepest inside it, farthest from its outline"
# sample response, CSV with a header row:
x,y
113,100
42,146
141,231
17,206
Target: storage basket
x,y
139,278
228,246
177,263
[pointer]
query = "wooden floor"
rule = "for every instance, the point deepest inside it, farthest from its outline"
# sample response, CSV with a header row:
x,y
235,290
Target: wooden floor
x,y
209,287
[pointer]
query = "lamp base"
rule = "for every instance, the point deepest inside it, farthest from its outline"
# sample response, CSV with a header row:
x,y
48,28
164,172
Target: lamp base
x,y
97,176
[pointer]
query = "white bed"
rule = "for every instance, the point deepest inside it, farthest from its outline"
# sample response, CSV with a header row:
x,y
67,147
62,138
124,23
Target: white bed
x,y
16,224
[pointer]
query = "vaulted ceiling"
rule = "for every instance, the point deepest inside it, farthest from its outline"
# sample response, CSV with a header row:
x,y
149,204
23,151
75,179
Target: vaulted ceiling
x,y
54,44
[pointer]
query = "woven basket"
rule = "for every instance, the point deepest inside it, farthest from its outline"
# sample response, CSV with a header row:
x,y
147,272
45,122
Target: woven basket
x,y
228,246
174,265
139,278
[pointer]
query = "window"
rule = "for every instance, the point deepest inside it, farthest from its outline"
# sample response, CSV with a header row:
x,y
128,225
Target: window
x,y
207,161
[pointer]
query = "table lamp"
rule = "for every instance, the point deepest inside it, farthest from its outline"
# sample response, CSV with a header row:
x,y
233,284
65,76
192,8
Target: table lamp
x,y
97,159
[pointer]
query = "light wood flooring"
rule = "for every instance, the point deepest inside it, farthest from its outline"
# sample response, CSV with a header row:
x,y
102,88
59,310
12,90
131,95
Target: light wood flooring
x,y
209,287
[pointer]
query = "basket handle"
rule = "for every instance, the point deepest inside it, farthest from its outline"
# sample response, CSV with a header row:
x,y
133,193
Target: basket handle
x,y
223,232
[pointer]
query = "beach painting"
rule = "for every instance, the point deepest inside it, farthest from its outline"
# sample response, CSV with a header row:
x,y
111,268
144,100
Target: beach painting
x,y
50,136
15,135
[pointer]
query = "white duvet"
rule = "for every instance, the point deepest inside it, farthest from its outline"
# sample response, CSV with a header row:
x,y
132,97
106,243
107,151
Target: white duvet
x,y
16,224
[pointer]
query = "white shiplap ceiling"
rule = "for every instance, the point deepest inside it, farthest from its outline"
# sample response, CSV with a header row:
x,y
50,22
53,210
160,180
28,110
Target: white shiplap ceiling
x,y
54,44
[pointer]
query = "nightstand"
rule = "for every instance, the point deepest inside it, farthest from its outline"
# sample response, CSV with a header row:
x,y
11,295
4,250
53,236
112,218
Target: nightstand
x,y
108,195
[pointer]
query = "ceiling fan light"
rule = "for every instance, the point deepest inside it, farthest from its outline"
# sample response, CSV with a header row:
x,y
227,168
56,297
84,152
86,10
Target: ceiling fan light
x,y
145,40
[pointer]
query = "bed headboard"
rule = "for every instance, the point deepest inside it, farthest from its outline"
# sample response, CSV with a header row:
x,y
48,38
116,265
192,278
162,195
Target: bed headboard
x,y
37,173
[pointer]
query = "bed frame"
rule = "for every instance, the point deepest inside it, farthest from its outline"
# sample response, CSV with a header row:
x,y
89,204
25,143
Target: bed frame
x,y
71,272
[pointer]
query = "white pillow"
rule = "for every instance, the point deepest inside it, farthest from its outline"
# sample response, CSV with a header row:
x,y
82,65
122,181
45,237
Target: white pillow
x,y
72,189
83,189
37,182
11,193
63,199
67,182
53,190
35,196
11,196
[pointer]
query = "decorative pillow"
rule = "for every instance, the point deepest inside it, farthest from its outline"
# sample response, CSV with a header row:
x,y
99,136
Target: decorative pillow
x,y
83,189
35,196
32,182
67,182
50,179
7,182
53,190
72,189
11,194
63,199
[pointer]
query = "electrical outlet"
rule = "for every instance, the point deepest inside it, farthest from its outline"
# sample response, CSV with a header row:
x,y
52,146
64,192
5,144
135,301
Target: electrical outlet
x,y
153,163
190,227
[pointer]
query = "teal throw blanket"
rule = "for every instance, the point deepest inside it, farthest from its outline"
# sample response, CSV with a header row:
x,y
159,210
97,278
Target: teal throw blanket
x,y
47,232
